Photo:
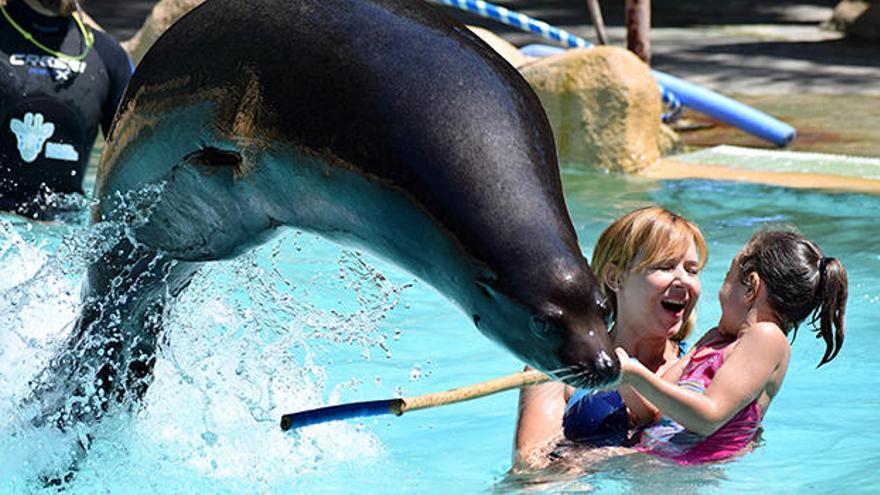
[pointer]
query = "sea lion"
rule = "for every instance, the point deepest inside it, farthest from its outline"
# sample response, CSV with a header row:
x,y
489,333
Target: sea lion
x,y
377,123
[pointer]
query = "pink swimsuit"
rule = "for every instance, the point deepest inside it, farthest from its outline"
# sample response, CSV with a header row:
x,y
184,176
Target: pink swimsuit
x,y
670,440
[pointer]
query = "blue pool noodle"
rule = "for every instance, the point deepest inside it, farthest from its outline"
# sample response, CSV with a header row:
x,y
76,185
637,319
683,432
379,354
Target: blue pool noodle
x,y
538,50
708,102
339,412
727,110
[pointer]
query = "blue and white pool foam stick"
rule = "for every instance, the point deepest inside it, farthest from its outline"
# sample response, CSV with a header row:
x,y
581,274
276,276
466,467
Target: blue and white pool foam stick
x,y
518,20
700,99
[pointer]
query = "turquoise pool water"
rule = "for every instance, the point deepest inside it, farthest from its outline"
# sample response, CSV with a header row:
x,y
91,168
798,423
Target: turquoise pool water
x,y
301,323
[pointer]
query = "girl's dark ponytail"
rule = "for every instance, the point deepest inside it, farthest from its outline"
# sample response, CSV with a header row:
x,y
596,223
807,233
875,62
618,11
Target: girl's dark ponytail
x,y
828,317
801,282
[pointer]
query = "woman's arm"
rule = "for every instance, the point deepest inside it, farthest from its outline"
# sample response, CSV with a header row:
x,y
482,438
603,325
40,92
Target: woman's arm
x,y
539,420
673,373
742,377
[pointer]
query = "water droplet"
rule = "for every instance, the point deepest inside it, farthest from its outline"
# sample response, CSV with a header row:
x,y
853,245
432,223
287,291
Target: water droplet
x,y
210,438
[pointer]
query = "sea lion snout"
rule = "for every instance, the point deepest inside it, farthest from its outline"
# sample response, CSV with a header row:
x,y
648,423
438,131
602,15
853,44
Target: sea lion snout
x,y
585,346
588,356
570,334
573,348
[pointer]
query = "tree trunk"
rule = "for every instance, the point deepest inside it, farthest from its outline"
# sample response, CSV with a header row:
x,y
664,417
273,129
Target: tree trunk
x,y
638,27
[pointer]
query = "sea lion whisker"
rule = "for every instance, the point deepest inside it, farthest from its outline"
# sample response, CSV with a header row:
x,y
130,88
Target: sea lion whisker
x,y
560,371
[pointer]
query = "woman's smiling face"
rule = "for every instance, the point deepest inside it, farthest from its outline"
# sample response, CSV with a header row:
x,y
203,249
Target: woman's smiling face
x,y
660,298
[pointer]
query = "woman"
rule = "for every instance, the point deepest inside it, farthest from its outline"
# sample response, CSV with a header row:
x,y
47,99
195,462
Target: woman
x,y
649,262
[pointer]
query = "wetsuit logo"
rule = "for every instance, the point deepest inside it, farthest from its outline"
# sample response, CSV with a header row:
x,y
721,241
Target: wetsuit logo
x,y
31,134
60,69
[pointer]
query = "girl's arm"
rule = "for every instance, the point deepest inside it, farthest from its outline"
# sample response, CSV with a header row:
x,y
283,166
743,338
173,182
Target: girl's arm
x,y
673,373
745,373
640,410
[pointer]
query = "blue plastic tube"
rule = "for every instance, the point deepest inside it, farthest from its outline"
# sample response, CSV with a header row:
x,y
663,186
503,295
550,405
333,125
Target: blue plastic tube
x,y
727,110
539,50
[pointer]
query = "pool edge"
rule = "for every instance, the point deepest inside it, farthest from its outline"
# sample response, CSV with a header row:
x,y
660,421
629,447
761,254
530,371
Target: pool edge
x,y
672,169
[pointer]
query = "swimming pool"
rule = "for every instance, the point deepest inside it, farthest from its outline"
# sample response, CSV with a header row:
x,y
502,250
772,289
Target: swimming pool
x,y
301,323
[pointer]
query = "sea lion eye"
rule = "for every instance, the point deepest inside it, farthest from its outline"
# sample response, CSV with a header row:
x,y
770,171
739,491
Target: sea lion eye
x,y
546,320
539,325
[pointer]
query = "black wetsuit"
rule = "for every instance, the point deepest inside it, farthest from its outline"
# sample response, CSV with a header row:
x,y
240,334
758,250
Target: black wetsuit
x,y
51,107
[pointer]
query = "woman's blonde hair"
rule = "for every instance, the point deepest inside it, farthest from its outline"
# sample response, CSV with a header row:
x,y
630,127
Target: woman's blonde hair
x,y
655,233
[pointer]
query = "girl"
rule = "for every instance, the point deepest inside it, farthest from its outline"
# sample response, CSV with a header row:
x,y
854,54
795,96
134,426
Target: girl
x,y
726,381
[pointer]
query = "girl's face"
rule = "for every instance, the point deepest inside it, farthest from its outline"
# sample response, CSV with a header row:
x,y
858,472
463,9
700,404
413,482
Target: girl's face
x,y
733,298
659,299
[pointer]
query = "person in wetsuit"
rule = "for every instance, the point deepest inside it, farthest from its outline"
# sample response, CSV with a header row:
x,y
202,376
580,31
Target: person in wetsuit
x,y
59,81
649,262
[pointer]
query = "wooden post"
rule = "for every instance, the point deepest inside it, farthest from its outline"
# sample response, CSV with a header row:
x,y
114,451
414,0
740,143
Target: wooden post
x,y
638,28
598,21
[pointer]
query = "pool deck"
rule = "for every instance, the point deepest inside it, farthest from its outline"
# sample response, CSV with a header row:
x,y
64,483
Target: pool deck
x,y
772,54
671,169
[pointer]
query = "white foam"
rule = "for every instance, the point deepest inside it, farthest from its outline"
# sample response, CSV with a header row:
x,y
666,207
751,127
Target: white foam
x,y
243,345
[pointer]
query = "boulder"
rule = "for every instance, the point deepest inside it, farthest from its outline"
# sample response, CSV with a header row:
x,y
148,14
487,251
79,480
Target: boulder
x,y
603,105
857,19
669,142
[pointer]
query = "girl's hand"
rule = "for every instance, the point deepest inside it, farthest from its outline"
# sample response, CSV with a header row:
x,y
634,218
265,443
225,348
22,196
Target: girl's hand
x,y
629,366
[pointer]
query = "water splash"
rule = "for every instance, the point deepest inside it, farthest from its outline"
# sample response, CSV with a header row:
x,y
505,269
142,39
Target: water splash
x,y
247,341
38,302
